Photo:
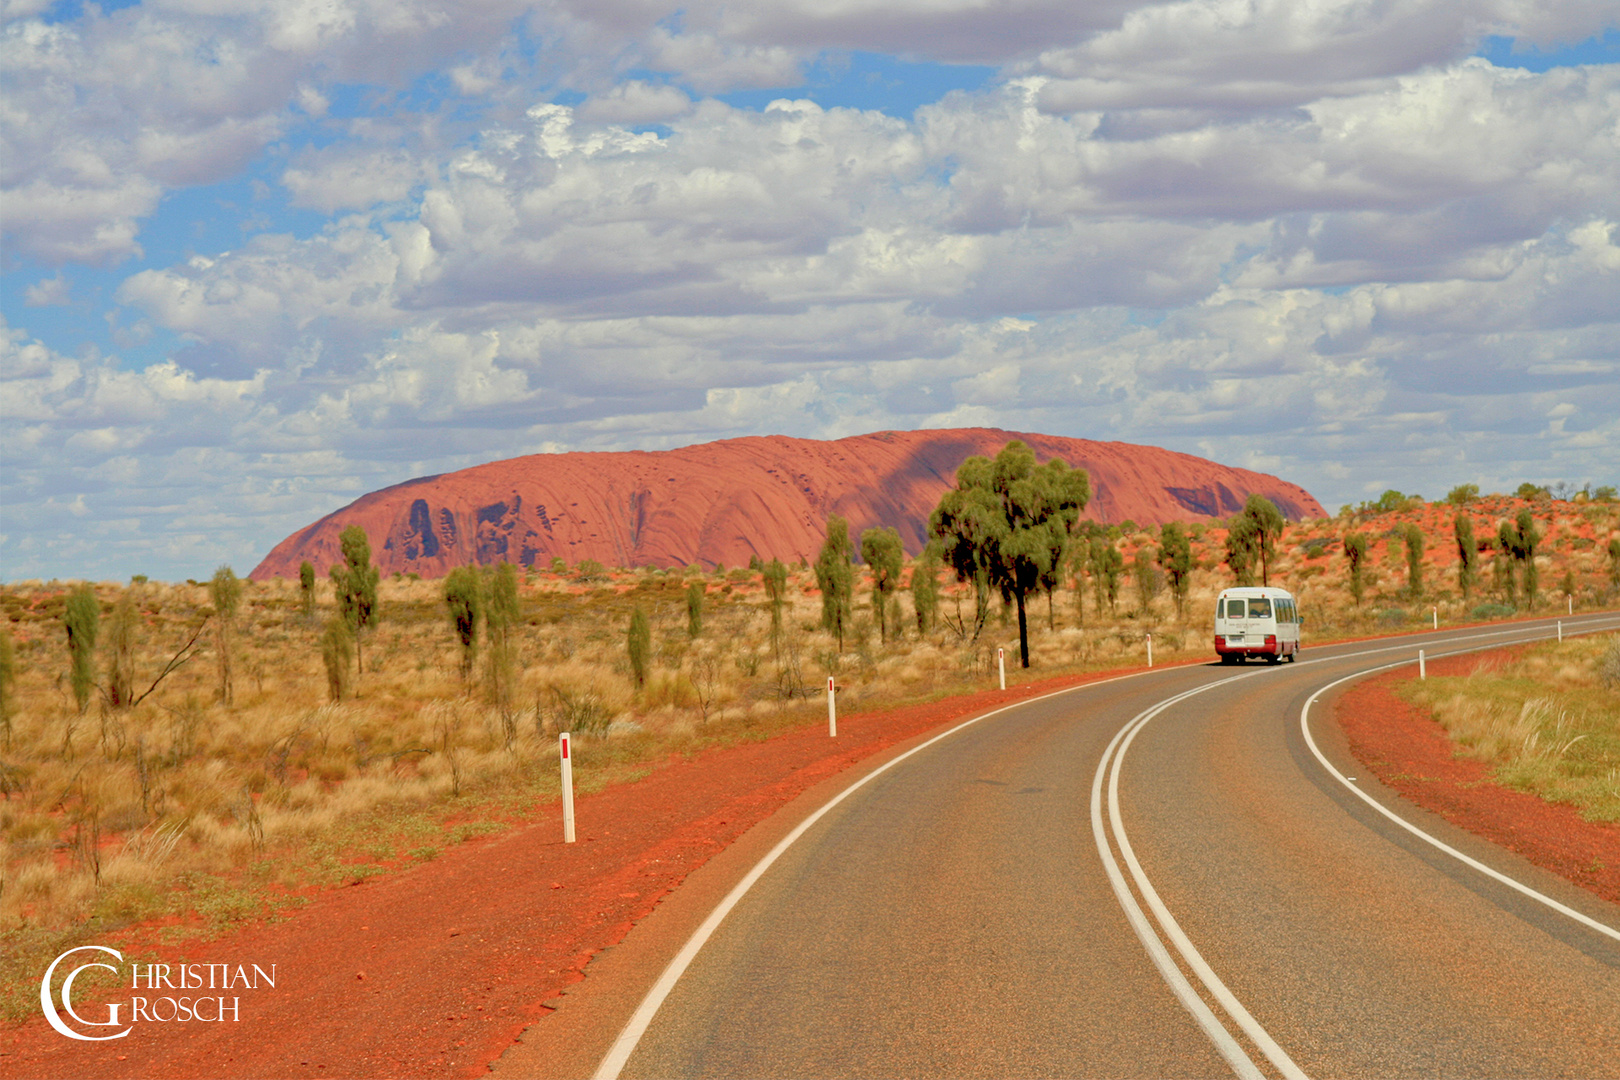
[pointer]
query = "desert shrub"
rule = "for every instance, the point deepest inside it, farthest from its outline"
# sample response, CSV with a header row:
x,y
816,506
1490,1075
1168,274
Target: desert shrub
x,y
82,619
1485,612
638,643
1608,666
1392,617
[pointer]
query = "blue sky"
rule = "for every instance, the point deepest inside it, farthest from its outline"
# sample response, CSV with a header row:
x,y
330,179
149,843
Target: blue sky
x,y
256,264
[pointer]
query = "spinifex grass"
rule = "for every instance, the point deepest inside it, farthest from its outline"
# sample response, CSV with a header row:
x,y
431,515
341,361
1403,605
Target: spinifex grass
x,y
1545,721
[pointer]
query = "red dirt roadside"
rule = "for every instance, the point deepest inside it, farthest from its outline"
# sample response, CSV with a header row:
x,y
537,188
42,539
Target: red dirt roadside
x,y
435,971
1408,750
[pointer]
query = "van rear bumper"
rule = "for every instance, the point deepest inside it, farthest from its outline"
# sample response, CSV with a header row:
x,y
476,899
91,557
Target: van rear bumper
x,y
1247,649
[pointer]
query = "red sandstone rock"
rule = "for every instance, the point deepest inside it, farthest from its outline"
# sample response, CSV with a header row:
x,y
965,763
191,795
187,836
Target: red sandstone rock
x,y
724,502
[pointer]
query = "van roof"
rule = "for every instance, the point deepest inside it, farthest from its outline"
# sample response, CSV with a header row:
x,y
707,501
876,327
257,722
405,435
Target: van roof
x,y
1247,591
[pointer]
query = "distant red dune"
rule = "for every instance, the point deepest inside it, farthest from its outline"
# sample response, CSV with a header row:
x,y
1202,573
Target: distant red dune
x,y
724,502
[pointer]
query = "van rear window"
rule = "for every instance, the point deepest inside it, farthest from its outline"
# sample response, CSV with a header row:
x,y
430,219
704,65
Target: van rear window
x,y
1259,609
1236,609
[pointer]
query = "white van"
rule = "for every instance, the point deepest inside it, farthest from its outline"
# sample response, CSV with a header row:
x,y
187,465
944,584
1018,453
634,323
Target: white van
x,y
1256,622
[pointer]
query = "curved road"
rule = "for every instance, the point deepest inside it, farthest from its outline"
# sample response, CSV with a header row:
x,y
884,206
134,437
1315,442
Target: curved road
x,y
1114,881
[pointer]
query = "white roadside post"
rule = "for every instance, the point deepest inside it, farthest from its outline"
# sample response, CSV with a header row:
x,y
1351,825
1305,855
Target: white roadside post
x,y
1423,666
1001,662
1150,648
832,710
1436,617
1571,600
567,787
1560,629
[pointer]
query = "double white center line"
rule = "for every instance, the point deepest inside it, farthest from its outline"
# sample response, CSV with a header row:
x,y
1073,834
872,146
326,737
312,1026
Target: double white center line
x,y
1228,1046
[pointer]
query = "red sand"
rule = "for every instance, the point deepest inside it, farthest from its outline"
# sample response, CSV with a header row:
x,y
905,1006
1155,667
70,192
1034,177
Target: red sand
x,y
1408,750
435,971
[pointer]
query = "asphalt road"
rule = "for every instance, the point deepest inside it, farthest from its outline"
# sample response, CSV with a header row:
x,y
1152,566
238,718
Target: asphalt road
x,y
967,911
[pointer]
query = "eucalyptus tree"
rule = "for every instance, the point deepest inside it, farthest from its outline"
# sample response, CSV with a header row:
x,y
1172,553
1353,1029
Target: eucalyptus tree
x,y
884,557
836,579
1006,520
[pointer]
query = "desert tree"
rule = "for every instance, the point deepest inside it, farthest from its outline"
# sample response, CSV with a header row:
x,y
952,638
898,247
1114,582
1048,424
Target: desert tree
x,y
1355,553
638,643
1614,562
1463,494
501,614
836,579
306,588
1149,579
884,557
925,589
82,620
464,602
337,653
122,629
1107,566
8,683
1467,553
774,576
694,609
1568,586
354,584
1240,549
225,591
1502,565
1518,539
1175,556
1253,535
1005,518
1413,536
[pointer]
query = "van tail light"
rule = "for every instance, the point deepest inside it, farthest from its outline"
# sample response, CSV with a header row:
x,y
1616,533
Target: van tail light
x,y
1271,639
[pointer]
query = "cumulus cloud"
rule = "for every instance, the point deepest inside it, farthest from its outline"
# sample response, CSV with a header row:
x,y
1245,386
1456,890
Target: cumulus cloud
x,y
1311,238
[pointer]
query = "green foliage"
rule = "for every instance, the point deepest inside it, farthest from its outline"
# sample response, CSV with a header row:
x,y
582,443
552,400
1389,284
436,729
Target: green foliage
x,y
1149,579
1614,562
82,620
1519,539
121,633
1008,521
694,609
1259,527
8,683
354,584
464,599
1414,559
836,579
884,556
638,641
337,652
1355,553
590,570
1605,494
1487,612
1241,549
925,589
1467,554
501,614
306,588
1532,492
774,576
1107,567
1390,502
1463,494
1175,556
225,590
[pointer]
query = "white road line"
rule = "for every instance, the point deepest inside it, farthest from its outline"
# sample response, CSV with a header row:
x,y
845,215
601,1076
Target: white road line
x,y
1112,759
1305,729
625,1045
1111,763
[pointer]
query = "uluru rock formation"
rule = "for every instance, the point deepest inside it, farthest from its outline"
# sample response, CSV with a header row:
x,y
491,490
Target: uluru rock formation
x,y
723,502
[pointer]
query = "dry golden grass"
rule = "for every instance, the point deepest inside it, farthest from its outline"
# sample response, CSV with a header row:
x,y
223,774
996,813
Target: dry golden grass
x,y
1549,721
186,805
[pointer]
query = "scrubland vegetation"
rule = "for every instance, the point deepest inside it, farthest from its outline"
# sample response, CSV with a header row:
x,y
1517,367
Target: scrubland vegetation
x,y
213,751
1547,721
